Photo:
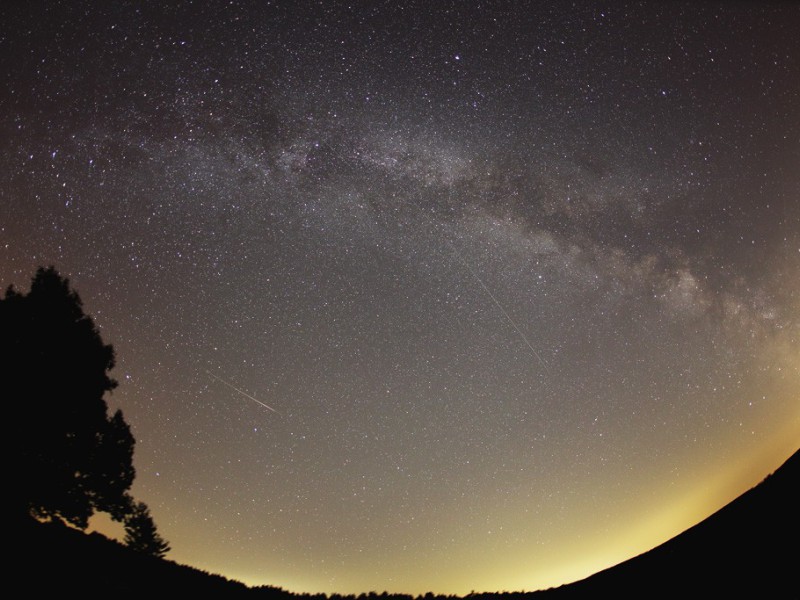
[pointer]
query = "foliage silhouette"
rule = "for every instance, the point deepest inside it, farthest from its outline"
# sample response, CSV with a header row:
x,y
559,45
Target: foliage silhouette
x,y
70,458
141,534
745,550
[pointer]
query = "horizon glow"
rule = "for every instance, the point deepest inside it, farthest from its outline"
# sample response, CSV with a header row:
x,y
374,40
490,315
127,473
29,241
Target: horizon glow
x,y
414,298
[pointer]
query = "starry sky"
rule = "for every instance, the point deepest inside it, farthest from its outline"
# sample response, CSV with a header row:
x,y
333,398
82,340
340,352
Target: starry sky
x,y
417,296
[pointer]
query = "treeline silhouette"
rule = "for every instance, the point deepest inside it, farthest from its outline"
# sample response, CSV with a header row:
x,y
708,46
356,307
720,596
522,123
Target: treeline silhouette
x,y
96,566
69,459
747,549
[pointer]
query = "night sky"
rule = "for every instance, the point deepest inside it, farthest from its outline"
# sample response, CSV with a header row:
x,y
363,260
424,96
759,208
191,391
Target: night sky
x,y
406,296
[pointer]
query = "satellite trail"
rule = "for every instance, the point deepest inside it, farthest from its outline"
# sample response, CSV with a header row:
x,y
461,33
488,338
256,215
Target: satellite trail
x,y
500,306
245,394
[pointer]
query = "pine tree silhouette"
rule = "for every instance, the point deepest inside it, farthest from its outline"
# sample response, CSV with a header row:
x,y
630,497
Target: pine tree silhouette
x,y
141,534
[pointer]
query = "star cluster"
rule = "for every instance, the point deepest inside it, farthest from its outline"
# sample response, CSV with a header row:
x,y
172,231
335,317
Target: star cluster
x,y
520,280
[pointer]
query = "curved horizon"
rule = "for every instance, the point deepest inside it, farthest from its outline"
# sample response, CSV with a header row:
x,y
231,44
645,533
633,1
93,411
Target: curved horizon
x,y
421,298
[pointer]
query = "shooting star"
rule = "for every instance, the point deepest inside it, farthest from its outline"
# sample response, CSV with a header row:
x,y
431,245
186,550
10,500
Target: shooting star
x,y
243,393
498,305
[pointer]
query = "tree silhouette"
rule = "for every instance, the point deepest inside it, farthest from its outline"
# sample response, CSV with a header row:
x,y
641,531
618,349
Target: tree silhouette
x,y
69,458
141,534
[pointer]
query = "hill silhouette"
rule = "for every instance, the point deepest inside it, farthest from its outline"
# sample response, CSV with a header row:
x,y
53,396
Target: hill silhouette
x,y
749,548
52,558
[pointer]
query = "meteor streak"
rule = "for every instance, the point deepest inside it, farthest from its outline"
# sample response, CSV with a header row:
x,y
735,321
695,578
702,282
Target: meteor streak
x,y
245,394
497,303
486,289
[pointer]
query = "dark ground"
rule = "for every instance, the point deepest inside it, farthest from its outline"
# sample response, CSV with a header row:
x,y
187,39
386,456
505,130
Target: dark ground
x,y
748,549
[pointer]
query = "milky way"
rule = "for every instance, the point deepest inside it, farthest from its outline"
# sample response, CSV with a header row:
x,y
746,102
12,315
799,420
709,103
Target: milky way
x,y
518,282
